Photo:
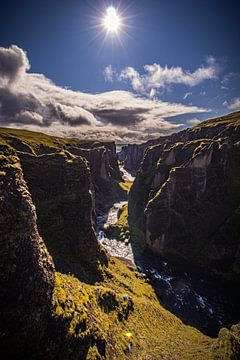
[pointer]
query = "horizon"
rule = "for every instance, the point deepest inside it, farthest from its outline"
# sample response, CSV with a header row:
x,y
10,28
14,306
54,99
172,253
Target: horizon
x,y
155,71
119,143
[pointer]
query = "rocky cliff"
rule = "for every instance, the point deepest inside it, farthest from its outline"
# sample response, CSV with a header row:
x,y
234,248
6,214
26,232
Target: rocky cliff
x,y
105,171
49,315
26,269
186,196
61,188
132,155
101,156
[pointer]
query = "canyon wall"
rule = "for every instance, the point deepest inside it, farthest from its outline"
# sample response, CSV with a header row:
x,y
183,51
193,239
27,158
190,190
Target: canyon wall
x,y
62,190
186,196
26,268
49,315
101,156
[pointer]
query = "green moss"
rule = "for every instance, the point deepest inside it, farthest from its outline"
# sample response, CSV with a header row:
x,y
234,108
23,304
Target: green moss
x,y
229,119
93,321
38,143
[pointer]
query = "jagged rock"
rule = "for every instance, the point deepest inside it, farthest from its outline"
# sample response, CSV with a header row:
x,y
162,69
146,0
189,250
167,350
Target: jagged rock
x,y
132,155
104,170
102,158
186,196
62,191
26,269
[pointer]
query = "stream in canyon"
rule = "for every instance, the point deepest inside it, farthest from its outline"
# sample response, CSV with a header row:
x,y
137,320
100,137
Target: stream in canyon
x,y
191,295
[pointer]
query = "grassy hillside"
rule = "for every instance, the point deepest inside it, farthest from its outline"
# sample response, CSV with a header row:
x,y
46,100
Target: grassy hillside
x,y
103,319
37,142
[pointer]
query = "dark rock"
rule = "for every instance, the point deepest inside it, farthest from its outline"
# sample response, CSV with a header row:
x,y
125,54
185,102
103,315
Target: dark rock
x,y
186,196
26,269
62,191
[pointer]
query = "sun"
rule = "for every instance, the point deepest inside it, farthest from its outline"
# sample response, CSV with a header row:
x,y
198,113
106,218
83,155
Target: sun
x,y
112,20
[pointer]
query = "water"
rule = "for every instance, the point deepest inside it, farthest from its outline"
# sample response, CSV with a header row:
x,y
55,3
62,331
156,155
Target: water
x,y
198,300
125,174
113,246
189,294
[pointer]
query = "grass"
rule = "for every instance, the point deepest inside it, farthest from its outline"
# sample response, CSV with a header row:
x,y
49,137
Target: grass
x,y
37,142
232,119
97,318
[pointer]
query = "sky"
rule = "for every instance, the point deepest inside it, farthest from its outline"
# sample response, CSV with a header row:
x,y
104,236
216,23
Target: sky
x,y
170,65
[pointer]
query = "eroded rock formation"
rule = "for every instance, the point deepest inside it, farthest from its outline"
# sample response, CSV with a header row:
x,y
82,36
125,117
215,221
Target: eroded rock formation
x,y
26,269
61,188
186,196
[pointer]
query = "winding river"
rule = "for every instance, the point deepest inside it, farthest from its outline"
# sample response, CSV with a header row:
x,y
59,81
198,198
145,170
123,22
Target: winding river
x,y
192,296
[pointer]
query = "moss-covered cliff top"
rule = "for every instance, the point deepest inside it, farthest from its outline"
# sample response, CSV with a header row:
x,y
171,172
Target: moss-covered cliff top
x,y
38,142
232,119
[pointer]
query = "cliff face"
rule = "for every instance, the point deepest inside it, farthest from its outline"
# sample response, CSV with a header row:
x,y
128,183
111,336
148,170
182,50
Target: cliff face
x,y
48,315
102,158
186,196
105,171
67,179
62,191
26,269
132,155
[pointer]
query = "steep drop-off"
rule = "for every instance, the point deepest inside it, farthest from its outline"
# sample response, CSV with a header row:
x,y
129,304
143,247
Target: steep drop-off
x,y
132,155
77,320
62,191
186,196
101,156
26,269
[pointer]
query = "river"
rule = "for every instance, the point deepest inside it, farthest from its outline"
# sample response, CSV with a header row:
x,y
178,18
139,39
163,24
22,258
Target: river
x,y
114,247
191,295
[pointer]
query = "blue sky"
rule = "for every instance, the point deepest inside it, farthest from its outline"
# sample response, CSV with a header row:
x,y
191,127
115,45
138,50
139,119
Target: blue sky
x,y
183,53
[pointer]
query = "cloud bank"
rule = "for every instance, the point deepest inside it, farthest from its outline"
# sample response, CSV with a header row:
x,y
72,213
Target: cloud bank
x,y
32,101
156,77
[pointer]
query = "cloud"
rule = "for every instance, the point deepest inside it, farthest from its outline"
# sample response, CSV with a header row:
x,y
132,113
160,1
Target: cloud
x,y
32,101
193,121
13,64
157,77
233,105
229,78
187,95
108,73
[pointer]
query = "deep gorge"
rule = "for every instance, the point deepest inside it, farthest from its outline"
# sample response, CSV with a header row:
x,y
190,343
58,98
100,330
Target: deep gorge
x,y
169,219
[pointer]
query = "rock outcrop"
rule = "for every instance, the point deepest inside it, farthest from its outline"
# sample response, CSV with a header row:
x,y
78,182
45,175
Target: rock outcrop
x,y
186,196
132,155
102,158
61,188
105,171
48,315
26,269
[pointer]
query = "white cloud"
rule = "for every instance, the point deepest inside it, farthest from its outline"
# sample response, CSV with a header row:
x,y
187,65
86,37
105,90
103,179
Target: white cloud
x,y
157,77
109,73
233,105
193,121
187,95
32,101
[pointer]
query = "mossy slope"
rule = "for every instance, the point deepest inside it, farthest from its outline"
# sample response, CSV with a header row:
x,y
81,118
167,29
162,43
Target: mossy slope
x,y
92,321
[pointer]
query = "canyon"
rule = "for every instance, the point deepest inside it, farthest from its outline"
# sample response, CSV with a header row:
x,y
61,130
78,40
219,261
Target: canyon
x,y
97,244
